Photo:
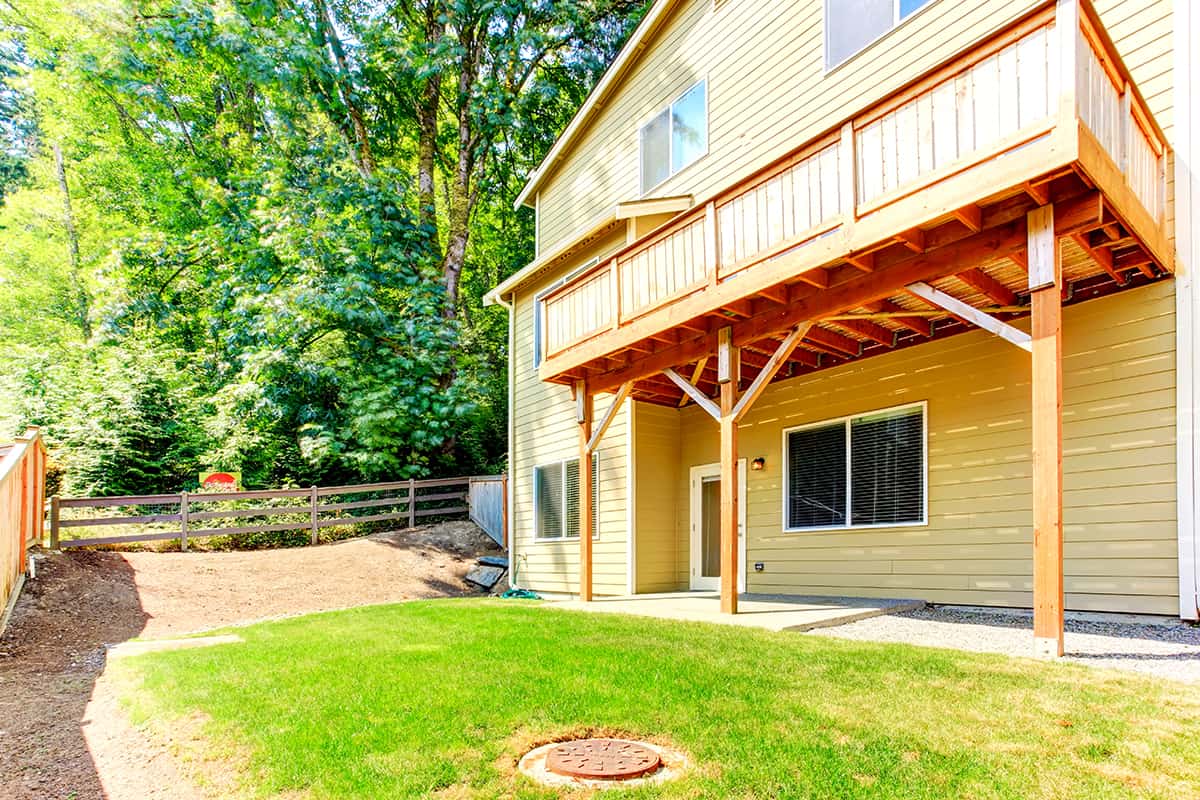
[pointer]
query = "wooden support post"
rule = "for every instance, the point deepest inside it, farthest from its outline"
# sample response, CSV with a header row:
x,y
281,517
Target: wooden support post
x,y
583,399
412,503
183,521
313,515
728,376
54,511
729,499
1047,446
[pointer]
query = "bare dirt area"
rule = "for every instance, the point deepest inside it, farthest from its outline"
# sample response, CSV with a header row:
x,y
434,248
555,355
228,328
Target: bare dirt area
x,y
61,734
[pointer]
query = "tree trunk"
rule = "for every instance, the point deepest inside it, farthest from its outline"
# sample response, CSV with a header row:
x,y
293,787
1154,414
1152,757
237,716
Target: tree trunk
x,y
79,301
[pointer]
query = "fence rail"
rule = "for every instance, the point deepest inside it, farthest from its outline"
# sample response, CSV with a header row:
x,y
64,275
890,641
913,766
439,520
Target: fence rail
x,y
22,487
186,515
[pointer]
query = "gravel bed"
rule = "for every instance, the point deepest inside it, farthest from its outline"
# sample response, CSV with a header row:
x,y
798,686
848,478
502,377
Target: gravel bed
x,y
1168,650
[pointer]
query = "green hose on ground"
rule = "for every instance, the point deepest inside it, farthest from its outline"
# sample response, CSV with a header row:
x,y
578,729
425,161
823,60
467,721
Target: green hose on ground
x,y
513,593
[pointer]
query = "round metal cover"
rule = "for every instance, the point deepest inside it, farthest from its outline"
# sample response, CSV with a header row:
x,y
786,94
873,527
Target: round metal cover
x,y
602,759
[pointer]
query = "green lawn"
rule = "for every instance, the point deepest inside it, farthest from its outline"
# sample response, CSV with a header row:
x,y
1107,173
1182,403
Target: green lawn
x,y
439,698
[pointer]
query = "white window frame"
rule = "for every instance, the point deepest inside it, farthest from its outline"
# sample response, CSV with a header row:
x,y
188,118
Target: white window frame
x,y
562,465
845,421
538,327
897,21
671,173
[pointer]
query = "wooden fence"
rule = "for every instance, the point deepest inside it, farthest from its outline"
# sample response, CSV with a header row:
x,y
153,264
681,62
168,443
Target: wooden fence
x,y
22,493
487,499
186,516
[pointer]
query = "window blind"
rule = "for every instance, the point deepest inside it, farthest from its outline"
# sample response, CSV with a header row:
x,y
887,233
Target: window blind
x,y
817,477
860,471
572,502
556,493
887,468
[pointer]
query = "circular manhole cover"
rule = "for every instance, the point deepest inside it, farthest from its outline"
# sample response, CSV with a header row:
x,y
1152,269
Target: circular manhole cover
x,y
602,759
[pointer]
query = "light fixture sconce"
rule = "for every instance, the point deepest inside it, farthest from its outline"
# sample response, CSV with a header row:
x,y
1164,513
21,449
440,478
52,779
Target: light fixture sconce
x,y
758,464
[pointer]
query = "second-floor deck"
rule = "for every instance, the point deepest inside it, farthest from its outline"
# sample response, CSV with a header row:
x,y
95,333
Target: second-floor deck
x,y
932,186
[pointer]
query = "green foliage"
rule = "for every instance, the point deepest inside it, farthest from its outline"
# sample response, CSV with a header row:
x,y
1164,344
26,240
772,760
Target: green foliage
x,y
270,250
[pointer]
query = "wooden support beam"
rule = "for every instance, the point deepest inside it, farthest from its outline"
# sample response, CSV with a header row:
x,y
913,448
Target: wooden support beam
x,y
1038,192
864,262
913,239
989,287
815,277
836,342
864,327
728,363
1045,267
1019,259
729,498
914,324
1101,255
970,314
696,373
777,360
691,390
971,216
776,294
609,415
583,401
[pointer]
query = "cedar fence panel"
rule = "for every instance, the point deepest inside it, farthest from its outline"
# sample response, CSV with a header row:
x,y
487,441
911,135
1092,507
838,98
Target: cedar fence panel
x,y
22,499
189,515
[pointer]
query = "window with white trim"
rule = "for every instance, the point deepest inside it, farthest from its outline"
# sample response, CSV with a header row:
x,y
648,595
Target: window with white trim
x,y
675,137
851,25
556,499
862,471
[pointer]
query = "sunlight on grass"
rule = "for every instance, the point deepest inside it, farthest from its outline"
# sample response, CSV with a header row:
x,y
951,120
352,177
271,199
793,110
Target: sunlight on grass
x,y
440,698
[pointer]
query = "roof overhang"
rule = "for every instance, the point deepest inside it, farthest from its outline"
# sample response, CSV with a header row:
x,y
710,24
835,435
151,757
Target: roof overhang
x,y
649,25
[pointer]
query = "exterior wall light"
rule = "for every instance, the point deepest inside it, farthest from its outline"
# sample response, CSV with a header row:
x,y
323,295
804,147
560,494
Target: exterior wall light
x,y
758,464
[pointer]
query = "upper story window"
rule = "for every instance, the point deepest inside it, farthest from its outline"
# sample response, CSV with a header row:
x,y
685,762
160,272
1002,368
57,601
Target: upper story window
x,y
675,137
851,25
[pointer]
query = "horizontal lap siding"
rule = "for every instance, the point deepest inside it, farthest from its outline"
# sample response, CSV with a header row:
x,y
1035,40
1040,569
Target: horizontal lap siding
x,y
1119,455
656,462
768,93
544,430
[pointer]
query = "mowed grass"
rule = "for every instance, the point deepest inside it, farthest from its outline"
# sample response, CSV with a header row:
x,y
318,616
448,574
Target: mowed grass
x,y
439,698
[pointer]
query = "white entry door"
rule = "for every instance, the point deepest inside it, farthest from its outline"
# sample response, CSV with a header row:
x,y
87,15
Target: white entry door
x,y
705,566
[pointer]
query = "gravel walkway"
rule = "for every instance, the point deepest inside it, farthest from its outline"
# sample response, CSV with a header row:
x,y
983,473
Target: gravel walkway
x,y
1169,650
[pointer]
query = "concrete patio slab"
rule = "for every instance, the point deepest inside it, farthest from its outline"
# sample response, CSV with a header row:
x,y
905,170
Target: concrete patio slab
x,y
772,612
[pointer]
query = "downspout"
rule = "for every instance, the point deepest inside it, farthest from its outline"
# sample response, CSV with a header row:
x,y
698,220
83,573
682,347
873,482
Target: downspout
x,y
1187,301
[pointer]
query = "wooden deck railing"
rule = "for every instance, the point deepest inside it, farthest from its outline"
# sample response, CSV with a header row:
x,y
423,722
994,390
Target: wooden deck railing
x,y
984,106
185,516
22,497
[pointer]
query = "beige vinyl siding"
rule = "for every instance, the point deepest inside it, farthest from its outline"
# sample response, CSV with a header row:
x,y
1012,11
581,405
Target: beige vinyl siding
x,y
769,91
1119,456
656,460
544,431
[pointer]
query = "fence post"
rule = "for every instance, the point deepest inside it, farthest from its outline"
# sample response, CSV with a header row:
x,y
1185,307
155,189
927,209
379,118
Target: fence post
x,y
504,510
183,521
313,496
412,503
54,522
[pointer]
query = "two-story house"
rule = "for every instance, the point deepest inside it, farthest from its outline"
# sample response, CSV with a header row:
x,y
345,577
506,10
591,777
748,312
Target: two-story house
x,y
875,298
